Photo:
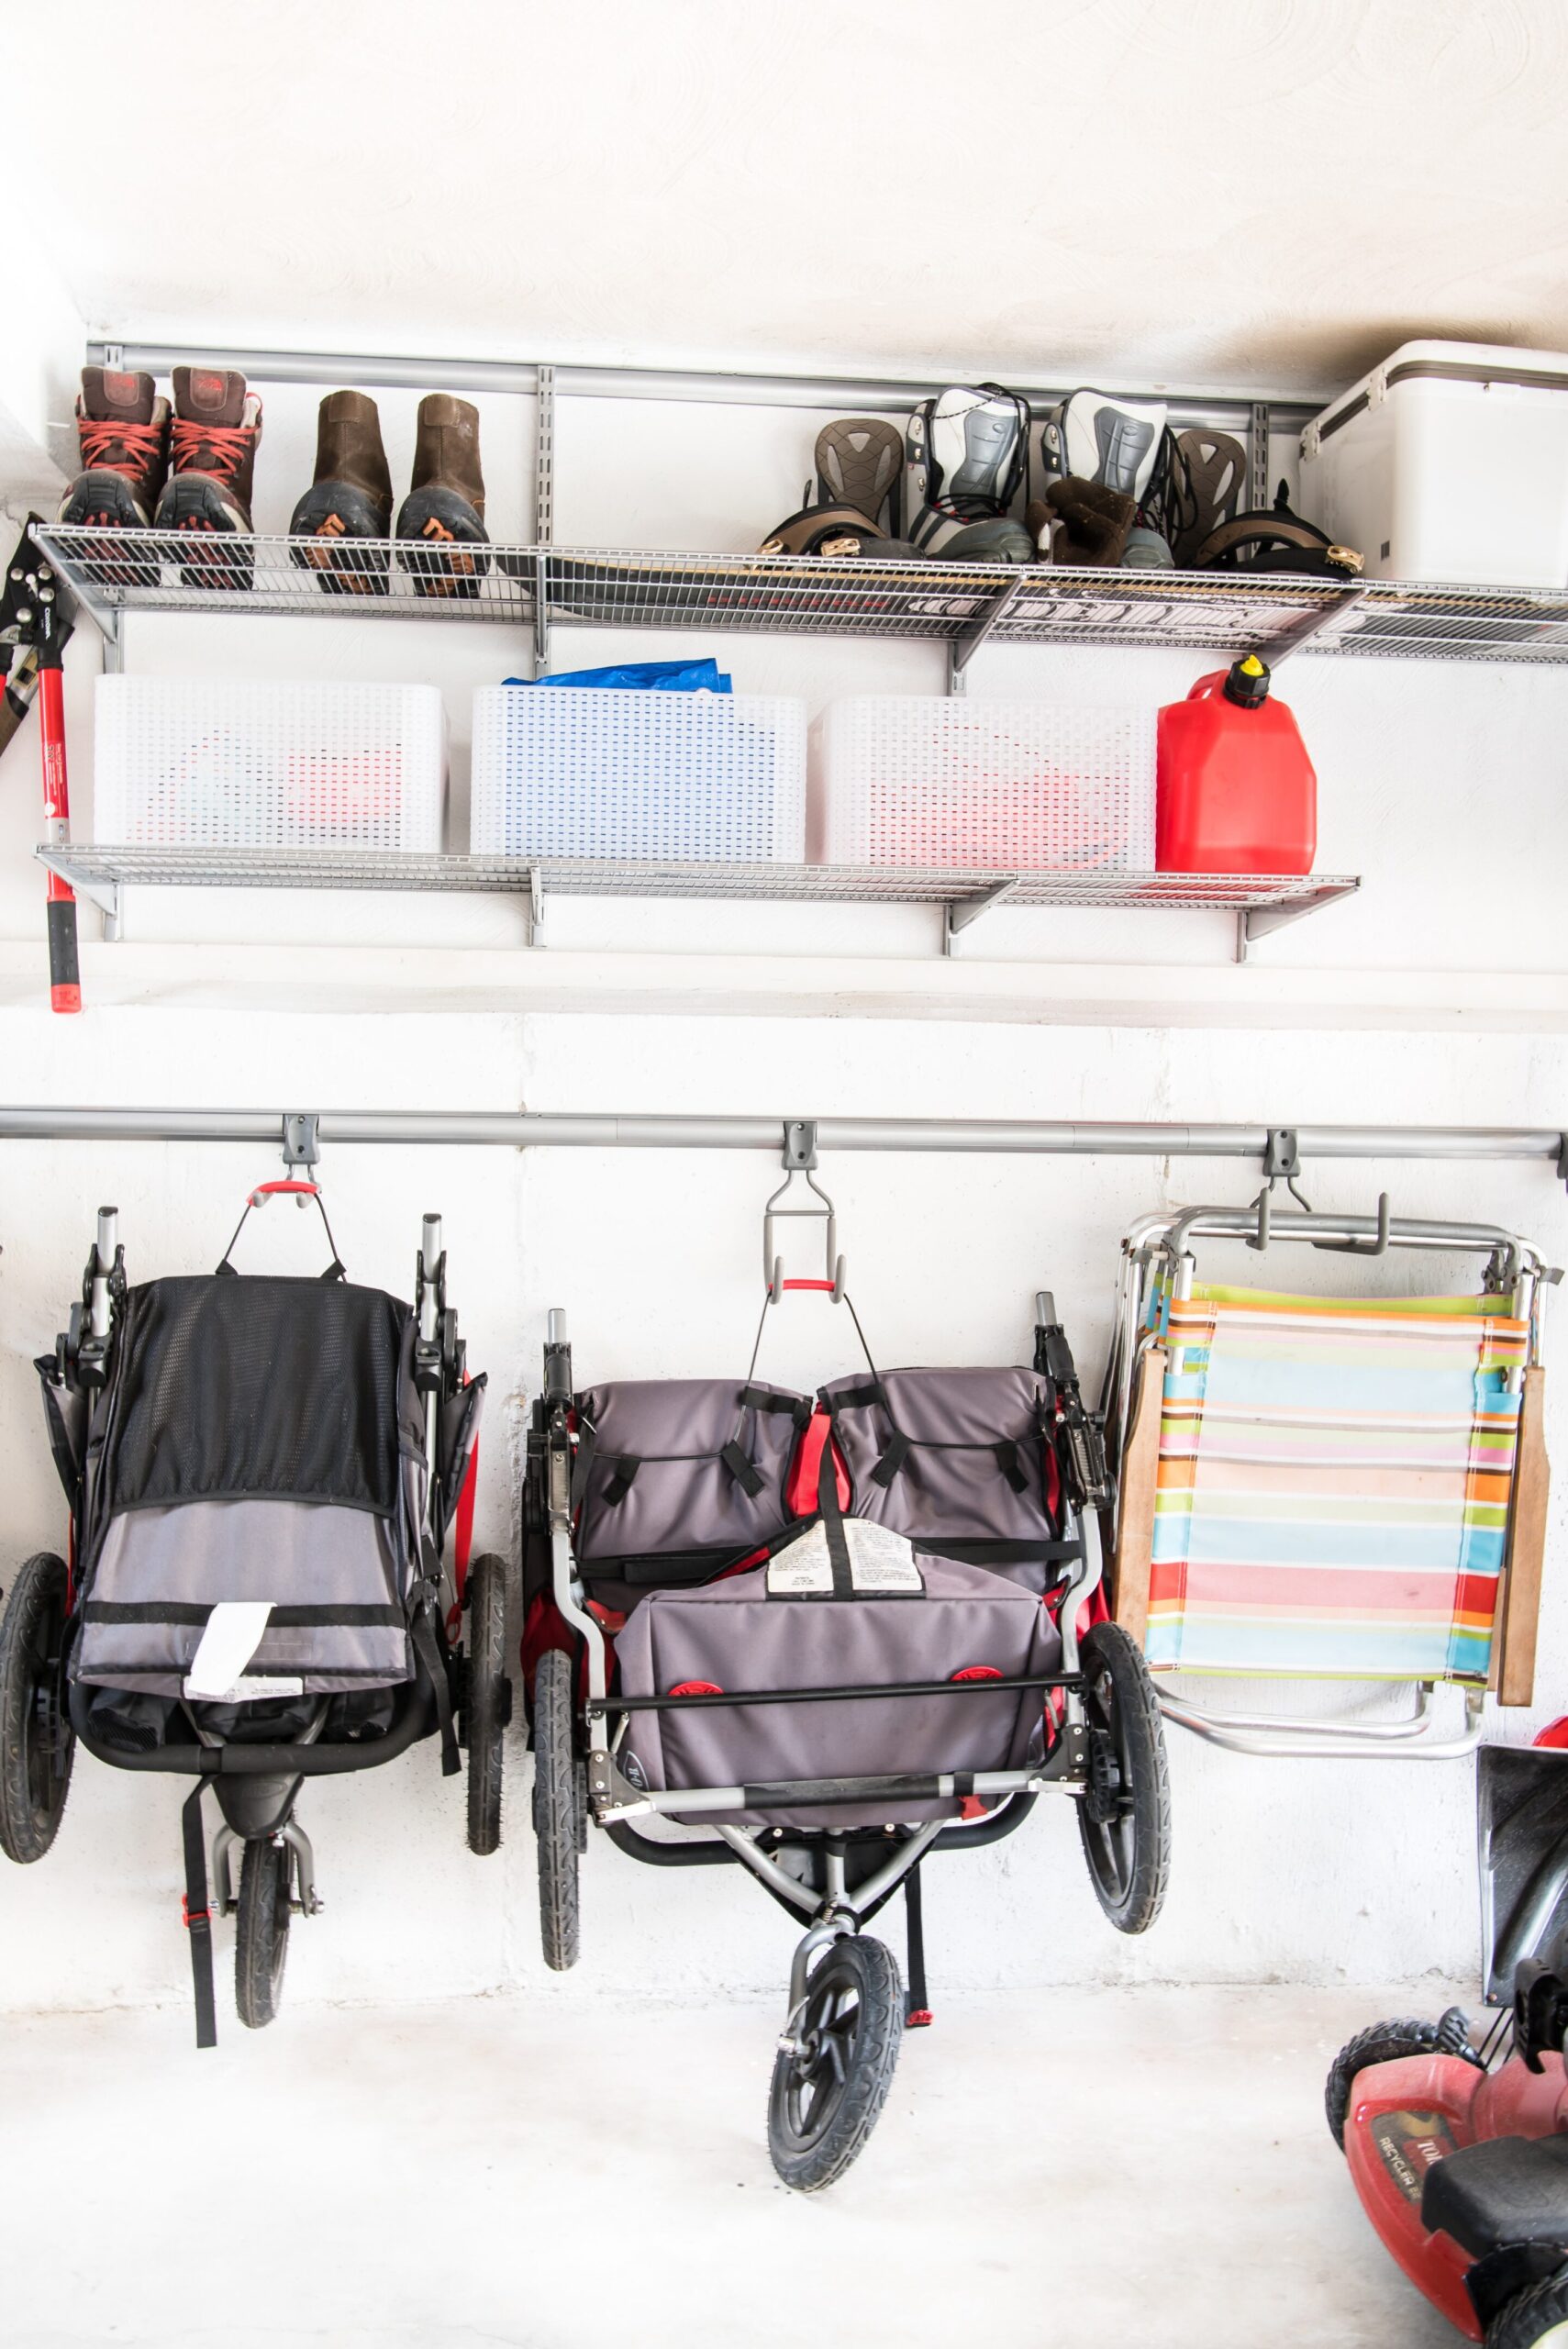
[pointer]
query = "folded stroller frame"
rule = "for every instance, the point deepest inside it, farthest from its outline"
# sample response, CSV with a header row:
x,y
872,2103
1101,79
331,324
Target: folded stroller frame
x,y
261,1473
1328,1488
837,1635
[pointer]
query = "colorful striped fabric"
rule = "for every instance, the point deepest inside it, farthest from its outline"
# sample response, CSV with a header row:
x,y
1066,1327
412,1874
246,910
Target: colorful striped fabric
x,y
1333,1485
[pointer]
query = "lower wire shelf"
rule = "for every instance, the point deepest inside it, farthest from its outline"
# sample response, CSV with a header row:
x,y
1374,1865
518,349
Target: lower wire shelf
x,y
1260,902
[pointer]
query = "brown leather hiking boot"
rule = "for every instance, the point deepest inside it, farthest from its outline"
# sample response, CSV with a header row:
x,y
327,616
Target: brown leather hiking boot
x,y
218,423
349,500
122,430
444,510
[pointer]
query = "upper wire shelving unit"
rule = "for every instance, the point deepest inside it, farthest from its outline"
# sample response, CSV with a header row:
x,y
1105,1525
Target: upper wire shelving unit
x,y
114,574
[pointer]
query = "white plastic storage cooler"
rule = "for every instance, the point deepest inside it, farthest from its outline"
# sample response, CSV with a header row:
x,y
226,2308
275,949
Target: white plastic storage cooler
x,y
576,771
196,762
1449,463
1005,786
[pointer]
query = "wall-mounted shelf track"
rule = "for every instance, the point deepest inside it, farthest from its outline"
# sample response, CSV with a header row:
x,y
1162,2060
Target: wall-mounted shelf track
x,y
1260,903
117,573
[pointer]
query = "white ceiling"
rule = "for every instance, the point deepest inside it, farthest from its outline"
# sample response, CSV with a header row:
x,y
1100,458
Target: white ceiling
x,y
1249,192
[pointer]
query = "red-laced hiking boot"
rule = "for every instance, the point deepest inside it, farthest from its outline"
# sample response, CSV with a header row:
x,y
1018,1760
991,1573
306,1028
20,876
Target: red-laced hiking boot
x,y
218,424
122,431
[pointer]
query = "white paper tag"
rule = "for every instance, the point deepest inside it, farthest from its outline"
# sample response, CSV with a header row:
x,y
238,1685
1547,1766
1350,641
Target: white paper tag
x,y
882,1563
234,1631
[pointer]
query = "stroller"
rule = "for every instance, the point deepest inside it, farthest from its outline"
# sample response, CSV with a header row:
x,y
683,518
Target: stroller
x,y
834,1634
262,1474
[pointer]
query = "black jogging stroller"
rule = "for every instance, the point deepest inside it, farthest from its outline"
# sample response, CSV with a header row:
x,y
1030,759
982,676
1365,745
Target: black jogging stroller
x,y
836,1635
262,1473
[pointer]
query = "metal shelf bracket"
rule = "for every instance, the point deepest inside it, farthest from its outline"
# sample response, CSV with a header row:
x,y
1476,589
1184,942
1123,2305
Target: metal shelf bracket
x,y
107,896
1253,922
959,912
961,651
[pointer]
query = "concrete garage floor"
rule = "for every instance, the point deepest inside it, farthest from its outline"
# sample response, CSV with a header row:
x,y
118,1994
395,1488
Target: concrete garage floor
x,y
1146,2166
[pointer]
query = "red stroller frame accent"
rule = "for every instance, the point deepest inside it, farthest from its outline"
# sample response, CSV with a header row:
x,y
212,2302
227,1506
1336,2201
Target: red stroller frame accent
x,y
1097,1720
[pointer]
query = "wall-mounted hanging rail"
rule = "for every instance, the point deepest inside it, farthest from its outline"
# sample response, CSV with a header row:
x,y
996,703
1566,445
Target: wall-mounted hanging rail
x,y
557,1130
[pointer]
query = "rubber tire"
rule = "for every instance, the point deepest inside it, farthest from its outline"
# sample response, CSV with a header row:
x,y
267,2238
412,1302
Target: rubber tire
x,y
870,1968
559,1810
1380,2043
261,1940
1534,2319
27,1828
486,1705
1136,1721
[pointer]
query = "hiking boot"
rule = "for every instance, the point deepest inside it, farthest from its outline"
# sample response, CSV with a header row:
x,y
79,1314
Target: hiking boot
x,y
122,431
217,426
444,510
350,499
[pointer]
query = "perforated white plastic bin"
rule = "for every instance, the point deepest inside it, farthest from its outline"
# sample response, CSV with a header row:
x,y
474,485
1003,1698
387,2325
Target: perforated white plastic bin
x,y
196,762
690,778
1010,785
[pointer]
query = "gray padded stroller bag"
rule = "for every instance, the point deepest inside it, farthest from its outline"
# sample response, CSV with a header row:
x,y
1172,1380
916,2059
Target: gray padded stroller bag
x,y
958,1461
259,1440
746,1633
677,1478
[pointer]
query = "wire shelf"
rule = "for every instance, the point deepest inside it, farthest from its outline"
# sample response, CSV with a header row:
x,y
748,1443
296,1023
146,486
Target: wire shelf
x,y
88,869
161,571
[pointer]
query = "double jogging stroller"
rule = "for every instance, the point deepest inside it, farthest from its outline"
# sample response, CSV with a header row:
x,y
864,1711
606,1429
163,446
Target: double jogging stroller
x,y
261,1474
823,1637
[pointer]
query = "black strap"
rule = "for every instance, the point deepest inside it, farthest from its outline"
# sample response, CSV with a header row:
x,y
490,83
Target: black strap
x,y
587,1445
833,1522
892,1459
334,1272
426,1598
856,1398
741,1468
758,1398
918,2011
198,1916
1007,1453
120,1610
622,1481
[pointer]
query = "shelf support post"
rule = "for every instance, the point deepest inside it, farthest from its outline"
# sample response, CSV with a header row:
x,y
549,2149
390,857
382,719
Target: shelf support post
x,y
1258,453
544,513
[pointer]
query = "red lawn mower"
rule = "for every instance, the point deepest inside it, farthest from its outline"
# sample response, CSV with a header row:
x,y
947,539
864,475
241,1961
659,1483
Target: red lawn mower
x,y
1460,2153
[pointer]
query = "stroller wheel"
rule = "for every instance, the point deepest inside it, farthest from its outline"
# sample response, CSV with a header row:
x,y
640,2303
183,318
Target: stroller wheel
x,y
1124,1817
835,2063
261,1943
37,1744
488,1705
559,1810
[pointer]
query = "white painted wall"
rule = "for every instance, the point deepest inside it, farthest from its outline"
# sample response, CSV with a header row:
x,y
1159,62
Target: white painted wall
x,y
1439,996
1223,190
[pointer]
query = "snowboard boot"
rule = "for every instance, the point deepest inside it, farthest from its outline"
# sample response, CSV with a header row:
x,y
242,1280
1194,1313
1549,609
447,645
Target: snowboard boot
x,y
440,525
122,432
218,423
349,501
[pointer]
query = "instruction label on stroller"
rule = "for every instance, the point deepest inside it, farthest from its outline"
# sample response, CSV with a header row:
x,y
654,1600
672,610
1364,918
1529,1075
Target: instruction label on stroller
x,y
882,1564
234,1631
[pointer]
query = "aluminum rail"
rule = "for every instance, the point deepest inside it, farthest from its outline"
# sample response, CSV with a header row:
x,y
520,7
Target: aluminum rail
x,y
720,387
556,1130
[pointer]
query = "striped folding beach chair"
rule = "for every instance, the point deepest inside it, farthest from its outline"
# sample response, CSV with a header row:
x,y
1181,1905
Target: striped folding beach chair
x,y
1322,1488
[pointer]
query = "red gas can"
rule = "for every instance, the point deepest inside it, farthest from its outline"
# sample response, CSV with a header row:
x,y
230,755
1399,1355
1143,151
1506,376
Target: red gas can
x,y
1237,793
